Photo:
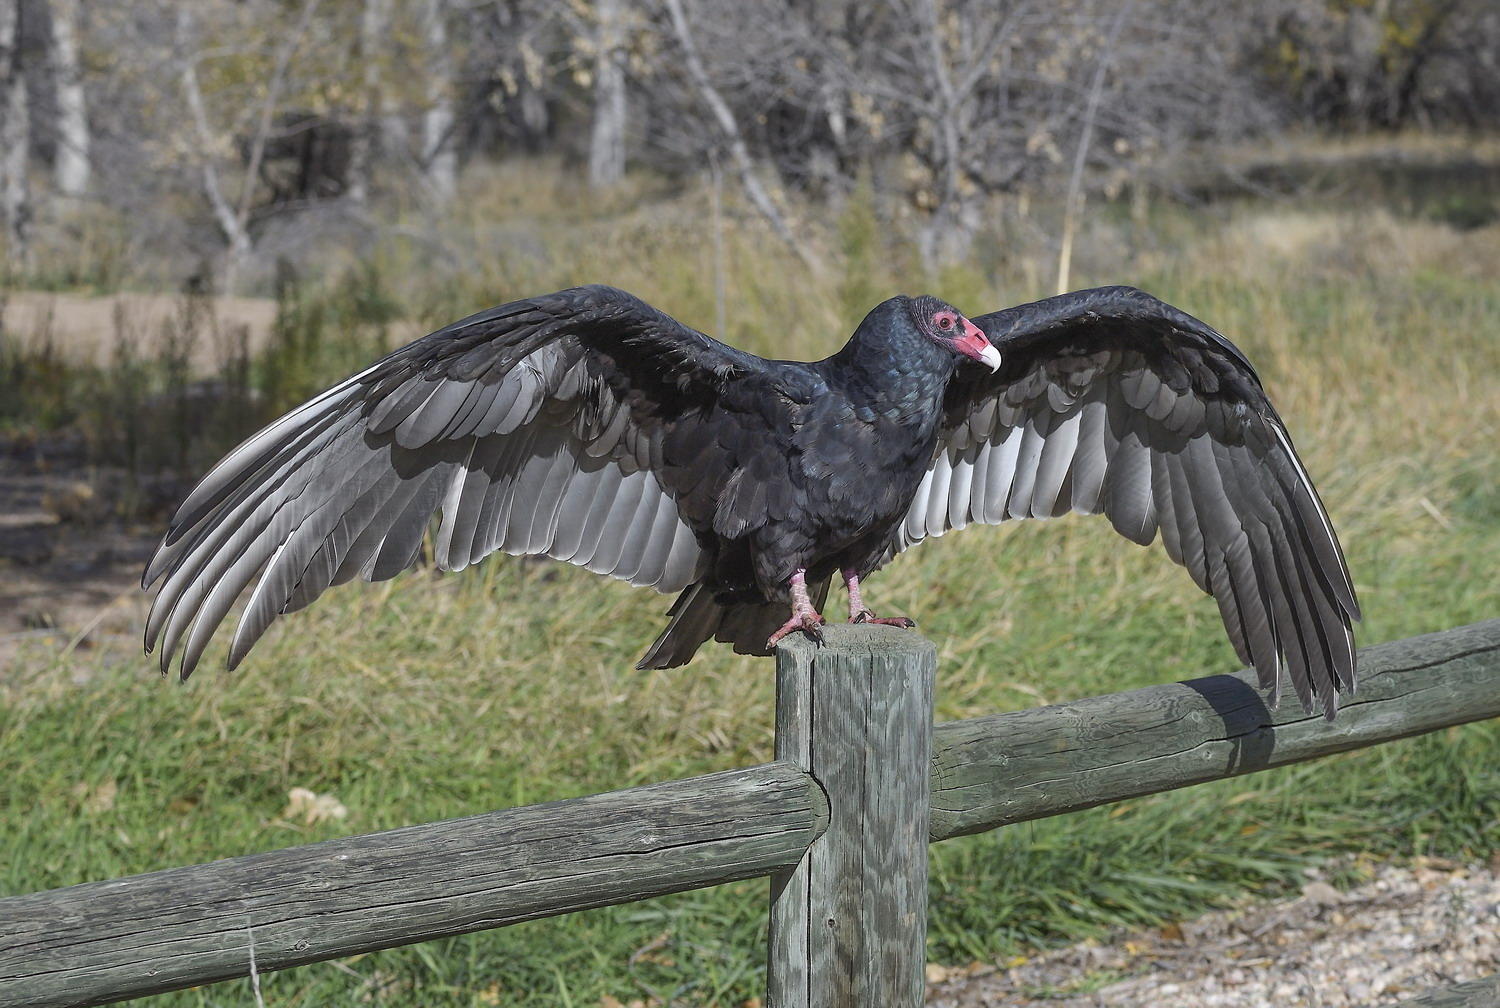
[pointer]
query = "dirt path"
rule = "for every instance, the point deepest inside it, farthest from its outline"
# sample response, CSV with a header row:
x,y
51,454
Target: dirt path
x,y
82,327
1408,930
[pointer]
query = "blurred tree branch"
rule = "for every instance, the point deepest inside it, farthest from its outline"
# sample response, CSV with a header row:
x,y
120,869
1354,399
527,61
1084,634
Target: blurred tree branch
x,y
1073,201
234,220
233,228
739,151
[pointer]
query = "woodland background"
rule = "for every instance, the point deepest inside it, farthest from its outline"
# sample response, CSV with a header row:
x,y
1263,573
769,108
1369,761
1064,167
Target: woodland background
x,y
218,136
211,209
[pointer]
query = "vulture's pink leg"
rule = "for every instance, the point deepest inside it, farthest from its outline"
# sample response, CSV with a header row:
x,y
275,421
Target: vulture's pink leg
x,y
804,616
859,614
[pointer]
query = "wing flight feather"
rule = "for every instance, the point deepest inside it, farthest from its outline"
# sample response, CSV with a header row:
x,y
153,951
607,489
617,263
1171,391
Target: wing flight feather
x,y
1110,401
535,428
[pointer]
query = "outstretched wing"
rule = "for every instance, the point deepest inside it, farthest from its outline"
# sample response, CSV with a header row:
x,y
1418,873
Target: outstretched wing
x,y
536,427
1111,401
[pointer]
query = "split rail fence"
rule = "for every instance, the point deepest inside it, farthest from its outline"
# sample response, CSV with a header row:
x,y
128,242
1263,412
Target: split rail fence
x,y
840,821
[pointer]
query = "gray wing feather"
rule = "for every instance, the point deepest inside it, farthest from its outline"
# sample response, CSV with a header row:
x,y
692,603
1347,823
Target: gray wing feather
x,y
401,543
197,561
559,471
591,524
1059,449
470,496
1316,528
535,456
531,508
264,468
296,428
1129,501
1168,432
1002,472
614,535
984,454
425,422
596,480
938,505
962,487
681,562
1177,504
655,506
286,567
1091,459
359,534
1033,441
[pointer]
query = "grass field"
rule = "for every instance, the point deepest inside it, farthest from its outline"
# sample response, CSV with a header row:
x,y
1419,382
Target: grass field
x,y
436,696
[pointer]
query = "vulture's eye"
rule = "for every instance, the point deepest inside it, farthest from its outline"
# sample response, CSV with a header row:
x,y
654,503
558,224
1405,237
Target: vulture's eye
x,y
945,321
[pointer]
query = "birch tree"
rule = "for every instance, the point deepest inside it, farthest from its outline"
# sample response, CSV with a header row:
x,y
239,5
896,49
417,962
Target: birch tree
x,y
72,168
607,132
374,22
439,148
213,143
15,136
733,137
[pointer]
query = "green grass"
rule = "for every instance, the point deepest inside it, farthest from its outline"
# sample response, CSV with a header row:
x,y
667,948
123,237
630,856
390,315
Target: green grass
x,y
437,696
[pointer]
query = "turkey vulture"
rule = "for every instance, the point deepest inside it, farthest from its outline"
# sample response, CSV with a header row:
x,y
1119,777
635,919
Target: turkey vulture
x,y
588,426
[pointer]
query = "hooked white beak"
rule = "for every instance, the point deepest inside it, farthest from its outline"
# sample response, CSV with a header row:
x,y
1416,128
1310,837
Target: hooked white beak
x,y
974,345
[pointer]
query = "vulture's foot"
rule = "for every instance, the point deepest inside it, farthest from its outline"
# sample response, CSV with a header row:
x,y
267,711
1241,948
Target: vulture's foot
x,y
809,623
804,616
859,614
866,616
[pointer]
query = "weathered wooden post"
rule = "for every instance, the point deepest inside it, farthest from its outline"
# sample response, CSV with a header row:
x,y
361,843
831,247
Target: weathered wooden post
x,y
849,921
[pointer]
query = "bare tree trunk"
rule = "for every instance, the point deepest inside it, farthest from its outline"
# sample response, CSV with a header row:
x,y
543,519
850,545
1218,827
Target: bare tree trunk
x,y
236,237
439,154
716,188
607,141
15,137
269,106
234,219
373,21
948,235
738,150
1074,199
72,168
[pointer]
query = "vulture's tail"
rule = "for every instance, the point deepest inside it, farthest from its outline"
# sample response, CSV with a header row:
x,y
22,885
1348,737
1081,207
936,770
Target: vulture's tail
x,y
696,617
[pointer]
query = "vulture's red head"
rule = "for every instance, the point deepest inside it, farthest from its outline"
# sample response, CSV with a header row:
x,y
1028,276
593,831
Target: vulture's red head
x,y
945,325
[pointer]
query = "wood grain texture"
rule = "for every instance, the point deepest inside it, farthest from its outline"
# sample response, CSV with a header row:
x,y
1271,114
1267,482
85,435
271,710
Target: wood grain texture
x,y
1474,994
849,924
1030,764
787,956
106,941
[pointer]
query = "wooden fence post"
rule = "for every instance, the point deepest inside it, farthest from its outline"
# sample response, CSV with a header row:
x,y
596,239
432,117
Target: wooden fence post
x,y
849,921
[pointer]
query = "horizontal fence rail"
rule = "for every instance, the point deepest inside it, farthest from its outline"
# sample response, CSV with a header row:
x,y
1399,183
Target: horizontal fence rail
x,y
114,940
1007,768
109,941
